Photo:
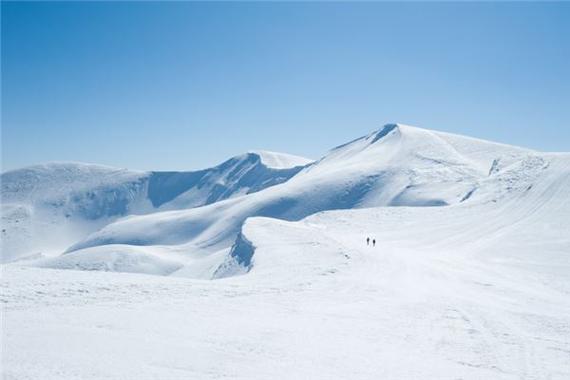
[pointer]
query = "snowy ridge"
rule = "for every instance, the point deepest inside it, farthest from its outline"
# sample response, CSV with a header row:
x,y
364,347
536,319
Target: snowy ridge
x,y
488,229
45,208
401,166
275,160
397,165
237,176
53,181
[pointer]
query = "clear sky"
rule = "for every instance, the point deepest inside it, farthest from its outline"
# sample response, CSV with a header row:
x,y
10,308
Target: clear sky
x,y
187,85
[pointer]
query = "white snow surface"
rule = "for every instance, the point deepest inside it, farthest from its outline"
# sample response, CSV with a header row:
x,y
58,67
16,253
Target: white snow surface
x,y
396,166
469,277
46,208
276,160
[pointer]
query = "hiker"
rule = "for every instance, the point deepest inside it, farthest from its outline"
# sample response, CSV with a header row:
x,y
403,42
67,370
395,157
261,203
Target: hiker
x,y
367,241
374,242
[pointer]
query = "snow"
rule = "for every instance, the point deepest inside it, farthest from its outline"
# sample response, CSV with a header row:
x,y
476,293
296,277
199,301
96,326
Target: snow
x,y
473,289
55,180
46,208
275,160
396,166
114,258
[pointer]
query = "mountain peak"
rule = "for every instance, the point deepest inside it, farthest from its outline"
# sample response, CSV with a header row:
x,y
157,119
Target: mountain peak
x,y
384,131
275,160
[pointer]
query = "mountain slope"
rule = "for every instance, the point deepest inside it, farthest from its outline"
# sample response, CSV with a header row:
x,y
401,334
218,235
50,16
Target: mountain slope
x,y
475,290
529,227
396,166
244,174
48,207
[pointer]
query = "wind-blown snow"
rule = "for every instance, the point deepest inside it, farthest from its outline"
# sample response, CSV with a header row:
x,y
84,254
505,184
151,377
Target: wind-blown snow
x,y
275,160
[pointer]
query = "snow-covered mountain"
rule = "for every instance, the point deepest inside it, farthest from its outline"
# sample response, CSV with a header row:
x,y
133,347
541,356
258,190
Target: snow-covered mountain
x,y
466,275
47,207
397,165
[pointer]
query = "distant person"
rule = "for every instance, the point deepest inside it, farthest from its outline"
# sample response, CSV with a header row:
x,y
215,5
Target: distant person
x,y
367,241
374,242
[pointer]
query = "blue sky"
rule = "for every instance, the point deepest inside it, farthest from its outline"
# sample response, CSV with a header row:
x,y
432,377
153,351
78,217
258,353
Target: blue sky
x,y
187,85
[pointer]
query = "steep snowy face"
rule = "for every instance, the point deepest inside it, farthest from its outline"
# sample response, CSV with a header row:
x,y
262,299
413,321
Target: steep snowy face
x,y
237,176
47,207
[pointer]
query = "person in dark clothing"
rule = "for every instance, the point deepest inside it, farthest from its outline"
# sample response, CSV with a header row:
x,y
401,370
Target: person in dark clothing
x,y
374,242
367,241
